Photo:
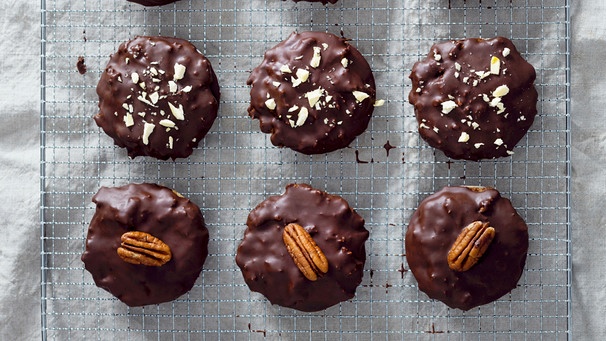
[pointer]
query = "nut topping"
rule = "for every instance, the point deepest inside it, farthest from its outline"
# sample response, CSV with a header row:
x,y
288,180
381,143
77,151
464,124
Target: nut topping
x,y
470,245
306,254
142,248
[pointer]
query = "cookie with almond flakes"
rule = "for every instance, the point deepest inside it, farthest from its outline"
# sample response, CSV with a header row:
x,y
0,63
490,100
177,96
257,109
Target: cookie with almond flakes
x,y
474,98
158,97
314,93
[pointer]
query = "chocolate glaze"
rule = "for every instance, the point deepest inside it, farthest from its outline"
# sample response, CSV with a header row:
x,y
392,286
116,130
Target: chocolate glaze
x,y
122,96
435,226
337,118
160,212
337,229
153,2
449,73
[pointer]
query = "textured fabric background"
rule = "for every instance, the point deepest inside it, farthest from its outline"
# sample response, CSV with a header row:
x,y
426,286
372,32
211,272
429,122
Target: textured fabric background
x,y
19,170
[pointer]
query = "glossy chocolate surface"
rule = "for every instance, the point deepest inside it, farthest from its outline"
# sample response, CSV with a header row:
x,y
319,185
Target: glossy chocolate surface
x,y
158,97
435,226
457,108
160,212
304,93
336,228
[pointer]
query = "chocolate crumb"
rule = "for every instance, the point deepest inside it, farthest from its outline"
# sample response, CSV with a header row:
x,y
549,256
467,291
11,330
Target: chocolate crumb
x,y
81,65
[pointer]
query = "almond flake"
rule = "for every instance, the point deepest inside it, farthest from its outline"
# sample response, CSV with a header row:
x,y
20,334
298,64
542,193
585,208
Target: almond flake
x,y
179,71
457,66
170,142
495,65
437,56
315,60
187,88
135,77
276,84
153,71
270,104
154,97
293,108
144,100
177,112
344,62
498,142
379,103
501,108
464,137
495,101
360,96
167,123
302,117
295,82
128,120
447,106
325,46
314,96
501,91
506,52
148,129
478,145
424,126
302,75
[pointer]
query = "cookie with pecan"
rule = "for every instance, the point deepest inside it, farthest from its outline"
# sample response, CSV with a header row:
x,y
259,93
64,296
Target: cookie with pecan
x,y
466,246
146,244
303,249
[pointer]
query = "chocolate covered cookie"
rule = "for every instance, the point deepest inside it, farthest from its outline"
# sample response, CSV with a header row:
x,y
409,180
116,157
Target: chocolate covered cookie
x,y
313,92
303,249
466,246
146,244
158,97
474,98
153,2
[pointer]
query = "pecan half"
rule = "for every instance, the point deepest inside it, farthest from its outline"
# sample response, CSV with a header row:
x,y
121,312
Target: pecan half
x,y
142,248
470,245
304,251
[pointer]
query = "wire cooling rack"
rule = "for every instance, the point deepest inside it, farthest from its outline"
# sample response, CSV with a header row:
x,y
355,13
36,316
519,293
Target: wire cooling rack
x,y
236,167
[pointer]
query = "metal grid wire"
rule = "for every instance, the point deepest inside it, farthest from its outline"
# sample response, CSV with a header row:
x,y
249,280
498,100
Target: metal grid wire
x,y
236,167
